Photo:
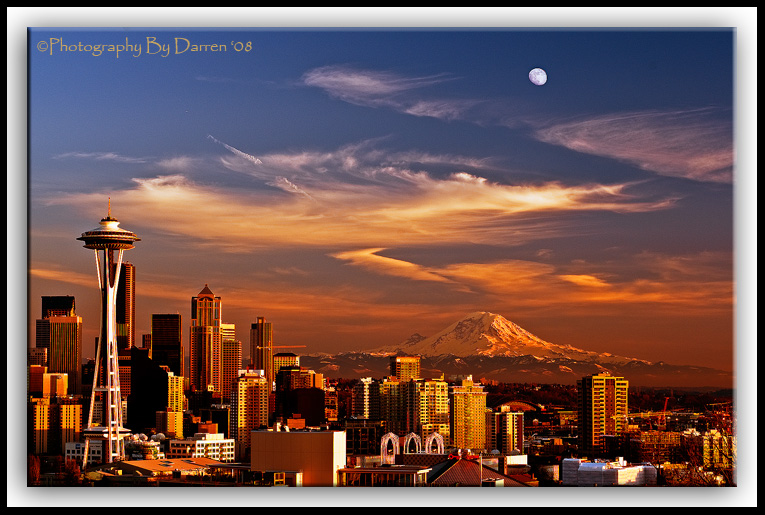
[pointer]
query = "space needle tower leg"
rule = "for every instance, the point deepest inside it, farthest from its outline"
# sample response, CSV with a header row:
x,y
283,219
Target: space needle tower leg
x,y
108,238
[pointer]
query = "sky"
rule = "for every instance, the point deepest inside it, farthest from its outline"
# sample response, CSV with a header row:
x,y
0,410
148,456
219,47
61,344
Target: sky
x,y
355,187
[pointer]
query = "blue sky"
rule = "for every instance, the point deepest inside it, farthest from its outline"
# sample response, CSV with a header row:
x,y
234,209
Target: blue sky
x,y
357,186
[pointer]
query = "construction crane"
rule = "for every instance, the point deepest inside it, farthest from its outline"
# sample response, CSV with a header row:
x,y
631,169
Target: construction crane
x,y
663,419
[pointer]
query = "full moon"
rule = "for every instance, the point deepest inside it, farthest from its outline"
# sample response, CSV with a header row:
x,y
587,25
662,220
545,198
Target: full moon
x,y
538,76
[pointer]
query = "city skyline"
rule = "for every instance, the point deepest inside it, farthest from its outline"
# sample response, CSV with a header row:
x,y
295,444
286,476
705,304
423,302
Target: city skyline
x,y
78,209
382,184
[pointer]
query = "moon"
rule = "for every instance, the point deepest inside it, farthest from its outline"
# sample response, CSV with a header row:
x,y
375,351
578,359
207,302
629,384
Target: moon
x,y
538,76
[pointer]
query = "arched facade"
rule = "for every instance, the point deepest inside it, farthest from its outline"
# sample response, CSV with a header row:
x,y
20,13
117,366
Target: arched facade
x,y
417,443
411,437
389,437
439,443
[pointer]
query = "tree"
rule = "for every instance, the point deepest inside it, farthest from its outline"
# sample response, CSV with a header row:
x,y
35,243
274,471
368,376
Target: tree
x,y
33,470
72,473
709,460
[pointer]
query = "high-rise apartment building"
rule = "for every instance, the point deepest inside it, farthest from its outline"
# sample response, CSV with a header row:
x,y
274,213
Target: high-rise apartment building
x,y
468,421
231,359
504,431
365,402
285,359
416,406
262,348
55,385
405,367
205,342
59,332
51,423
249,409
602,410
125,308
167,341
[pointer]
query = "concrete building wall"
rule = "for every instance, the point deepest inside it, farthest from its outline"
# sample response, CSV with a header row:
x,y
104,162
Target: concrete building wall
x,y
317,454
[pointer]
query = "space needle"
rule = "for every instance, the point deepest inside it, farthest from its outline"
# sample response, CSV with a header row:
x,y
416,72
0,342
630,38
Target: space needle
x,y
106,239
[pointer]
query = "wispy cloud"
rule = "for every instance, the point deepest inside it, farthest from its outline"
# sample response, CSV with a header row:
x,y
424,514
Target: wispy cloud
x,y
236,151
102,156
365,87
694,144
363,196
178,163
701,285
370,259
374,88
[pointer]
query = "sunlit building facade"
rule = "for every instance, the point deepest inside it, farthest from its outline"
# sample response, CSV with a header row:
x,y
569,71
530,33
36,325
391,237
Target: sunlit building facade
x,y
125,308
203,445
405,367
61,336
205,342
231,359
262,348
416,406
51,423
504,431
602,410
365,402
468,420
249,408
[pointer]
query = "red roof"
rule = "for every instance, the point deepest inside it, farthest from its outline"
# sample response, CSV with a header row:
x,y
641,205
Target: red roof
x,y
466,472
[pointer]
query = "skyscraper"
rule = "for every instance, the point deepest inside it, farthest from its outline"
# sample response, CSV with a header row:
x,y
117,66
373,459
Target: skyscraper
x,y
405,367
126,308
167,341
416,406
249,408
504,431
285,359
365,402
108,238
231,359
205,342
57,306
602,406
59,332
262,348
468,419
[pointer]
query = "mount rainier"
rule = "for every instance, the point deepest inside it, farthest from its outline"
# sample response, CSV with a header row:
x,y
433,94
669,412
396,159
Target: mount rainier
x,y
490,347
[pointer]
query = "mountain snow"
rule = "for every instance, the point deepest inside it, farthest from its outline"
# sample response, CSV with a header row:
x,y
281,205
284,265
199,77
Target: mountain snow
x,y
491,335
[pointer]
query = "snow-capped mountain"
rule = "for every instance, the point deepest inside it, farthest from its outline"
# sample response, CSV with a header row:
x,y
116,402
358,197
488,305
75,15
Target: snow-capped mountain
x,y
491,335
489,346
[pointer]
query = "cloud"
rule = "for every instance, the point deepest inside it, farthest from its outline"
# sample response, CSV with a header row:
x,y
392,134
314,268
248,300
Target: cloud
x,y
372,88
694,144
370,259
365,87
359,196
702,285
178,163
584,280
243,155
102,156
